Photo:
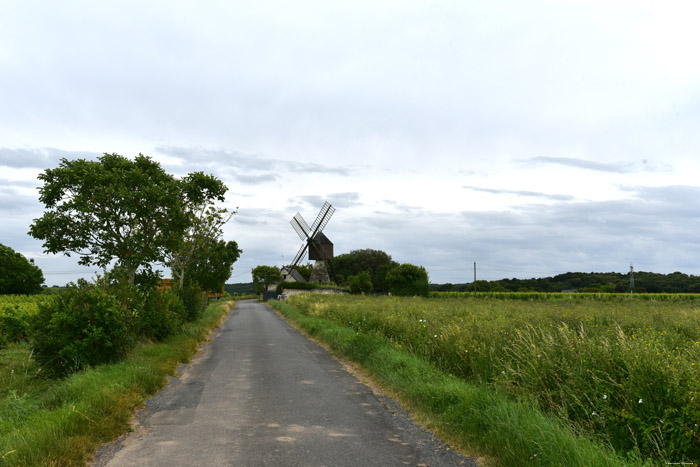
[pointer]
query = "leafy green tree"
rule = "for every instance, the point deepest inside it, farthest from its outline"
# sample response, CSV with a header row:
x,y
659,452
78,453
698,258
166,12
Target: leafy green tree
x,y
17,274
212,270
110,209
408,280
204,222
360,283
265,276
305,270
374,262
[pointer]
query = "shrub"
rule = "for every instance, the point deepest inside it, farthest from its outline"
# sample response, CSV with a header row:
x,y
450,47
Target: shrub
x,y
408,280
14,323
82,327
360,283
162,315
193,300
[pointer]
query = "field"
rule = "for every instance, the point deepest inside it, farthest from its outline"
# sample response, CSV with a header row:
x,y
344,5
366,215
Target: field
x,y
15,314
621,369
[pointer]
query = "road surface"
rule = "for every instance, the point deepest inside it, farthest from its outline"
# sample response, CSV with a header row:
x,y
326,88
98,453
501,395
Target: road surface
x,y
260,394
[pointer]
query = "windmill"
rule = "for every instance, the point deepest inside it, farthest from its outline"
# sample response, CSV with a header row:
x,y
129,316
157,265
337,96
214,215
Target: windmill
x,y
320,248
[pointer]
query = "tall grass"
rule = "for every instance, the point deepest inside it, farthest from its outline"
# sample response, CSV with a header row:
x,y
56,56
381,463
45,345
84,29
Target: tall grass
x,y
45,422
625,371
472,416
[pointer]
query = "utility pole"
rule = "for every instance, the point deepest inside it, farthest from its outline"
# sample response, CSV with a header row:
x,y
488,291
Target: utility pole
x,y
474,277
631,279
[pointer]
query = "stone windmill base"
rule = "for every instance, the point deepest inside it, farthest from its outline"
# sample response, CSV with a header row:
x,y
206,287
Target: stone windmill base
x,y
319,272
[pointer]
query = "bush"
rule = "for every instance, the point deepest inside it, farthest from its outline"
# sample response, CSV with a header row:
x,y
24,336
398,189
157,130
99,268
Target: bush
x,y
193,300
408,280
14,324
360,283
82,327
162,315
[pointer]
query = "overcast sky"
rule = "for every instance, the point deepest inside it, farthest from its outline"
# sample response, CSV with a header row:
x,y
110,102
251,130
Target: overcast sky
x,y
533,138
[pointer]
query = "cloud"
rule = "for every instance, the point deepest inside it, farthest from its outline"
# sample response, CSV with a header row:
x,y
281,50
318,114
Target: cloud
x,y
256,179
7,184
18,204
613,167
655,229
338,200
40,158
533,194
236,161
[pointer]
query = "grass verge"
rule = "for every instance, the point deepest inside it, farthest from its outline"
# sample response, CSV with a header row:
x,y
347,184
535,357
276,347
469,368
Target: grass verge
x,y
63,422
473,418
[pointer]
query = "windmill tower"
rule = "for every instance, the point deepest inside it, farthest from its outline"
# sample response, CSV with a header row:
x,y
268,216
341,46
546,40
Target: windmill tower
x,y
320,248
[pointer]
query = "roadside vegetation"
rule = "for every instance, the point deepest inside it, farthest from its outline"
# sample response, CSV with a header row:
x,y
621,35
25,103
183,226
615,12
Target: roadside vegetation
x,y
75,364
63,421
618,374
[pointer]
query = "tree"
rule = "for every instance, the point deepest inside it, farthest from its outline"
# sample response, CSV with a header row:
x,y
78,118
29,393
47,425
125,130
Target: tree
x,y
212,270
360,283
204,222
17,274
110,209
374,262
305,270
265,276
408,280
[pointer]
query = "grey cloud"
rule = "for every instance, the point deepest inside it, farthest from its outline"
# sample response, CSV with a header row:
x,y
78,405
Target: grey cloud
x,y
5,183
656,227
256,179
677,195
39,158
338,200
15,203
250,221
614,167
533,194
236,160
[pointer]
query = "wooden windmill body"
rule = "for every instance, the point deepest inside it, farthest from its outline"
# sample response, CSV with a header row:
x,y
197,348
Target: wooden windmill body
x,y
320,248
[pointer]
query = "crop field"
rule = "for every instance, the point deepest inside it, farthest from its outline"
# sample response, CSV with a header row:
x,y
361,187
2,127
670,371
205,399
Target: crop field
x,y
621,369
15,314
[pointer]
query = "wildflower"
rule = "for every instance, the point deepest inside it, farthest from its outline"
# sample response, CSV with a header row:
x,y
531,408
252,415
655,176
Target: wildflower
x,y
435,335
605,396
640,401
503,372
594,413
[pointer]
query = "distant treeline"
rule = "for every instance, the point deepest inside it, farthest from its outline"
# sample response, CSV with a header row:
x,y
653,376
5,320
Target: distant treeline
x,y
644,282
241,288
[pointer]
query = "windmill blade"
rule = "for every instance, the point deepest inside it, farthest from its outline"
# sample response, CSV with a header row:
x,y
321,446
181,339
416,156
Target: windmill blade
x,y
322,219
299,256
300,226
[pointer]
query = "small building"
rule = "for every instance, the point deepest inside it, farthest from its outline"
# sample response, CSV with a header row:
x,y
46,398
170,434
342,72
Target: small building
x,y
293,276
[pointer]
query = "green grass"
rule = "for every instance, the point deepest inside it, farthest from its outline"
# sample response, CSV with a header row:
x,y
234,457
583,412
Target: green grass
x,y
62,422
626,371
474,417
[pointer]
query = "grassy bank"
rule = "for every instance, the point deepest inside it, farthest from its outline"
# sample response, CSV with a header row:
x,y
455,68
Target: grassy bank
x,y
473,417
62,422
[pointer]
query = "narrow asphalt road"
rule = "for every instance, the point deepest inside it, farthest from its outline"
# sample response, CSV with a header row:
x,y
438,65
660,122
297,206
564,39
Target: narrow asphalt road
x,y
262,394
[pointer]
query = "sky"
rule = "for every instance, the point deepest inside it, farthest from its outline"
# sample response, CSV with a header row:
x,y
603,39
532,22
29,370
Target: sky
x,y
531,138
